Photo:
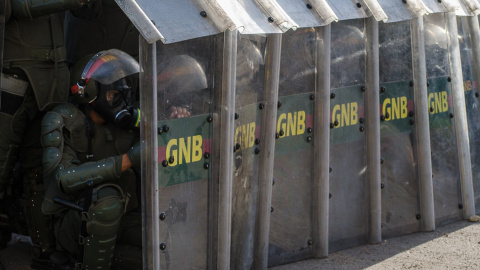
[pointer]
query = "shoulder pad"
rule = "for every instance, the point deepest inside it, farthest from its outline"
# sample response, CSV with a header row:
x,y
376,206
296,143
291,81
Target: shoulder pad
x,y
66,110
51,121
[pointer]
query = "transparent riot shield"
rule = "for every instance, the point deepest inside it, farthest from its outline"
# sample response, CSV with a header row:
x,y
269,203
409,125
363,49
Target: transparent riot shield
x,y
400,205
185,87
290,224
445,170
470,83
248,105
348,187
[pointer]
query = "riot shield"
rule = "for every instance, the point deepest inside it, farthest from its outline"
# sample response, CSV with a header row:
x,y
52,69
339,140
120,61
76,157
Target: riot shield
x,y
248,108
290,224
185,118
348,186
400,205
445,167
472,103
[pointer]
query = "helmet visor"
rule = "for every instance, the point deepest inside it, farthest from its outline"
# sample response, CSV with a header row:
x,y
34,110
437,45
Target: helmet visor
x,y
109,66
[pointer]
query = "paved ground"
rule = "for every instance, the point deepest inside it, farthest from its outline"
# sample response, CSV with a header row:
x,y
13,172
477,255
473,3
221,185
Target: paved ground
x,y
453,246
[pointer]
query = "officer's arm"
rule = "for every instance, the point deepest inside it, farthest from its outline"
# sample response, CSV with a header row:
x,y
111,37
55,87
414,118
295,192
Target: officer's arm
x,y
35,8
71,176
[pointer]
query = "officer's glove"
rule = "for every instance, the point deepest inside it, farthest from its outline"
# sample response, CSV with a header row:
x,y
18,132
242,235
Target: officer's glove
x,y
134,156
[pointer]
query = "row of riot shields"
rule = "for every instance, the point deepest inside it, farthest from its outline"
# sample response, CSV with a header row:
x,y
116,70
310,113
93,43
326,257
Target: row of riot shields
x,y
190,82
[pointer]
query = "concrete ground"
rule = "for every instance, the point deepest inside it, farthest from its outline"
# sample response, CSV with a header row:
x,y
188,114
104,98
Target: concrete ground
x,y
453,246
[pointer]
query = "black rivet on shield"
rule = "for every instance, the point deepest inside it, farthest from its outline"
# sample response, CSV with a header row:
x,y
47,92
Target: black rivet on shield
x,y
257,151
330,169
160,130
449,79
431,109
428,84
203,14
382,89
261,106
336,123
382,186
361,129
309,138
410,83
164,163
310,242
277,135
271,209
206,165
476,94
332,125
460,206
236,116
382,161
363,89
279,104
329,195
153,22
332,95
382,117
418,216
361,120
171,160
387,115
237,146
282,132
451,115
412,122
312,97
411,113
163,216
209,119
404,1
309,130
270,19
359,5
439,1
163,246
166,128
206,155
257,141
309,6
273,182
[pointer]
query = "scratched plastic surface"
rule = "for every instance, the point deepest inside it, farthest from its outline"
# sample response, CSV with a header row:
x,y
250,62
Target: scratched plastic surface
x,y
398,172
185,80
472,104
290,224
248,99
445,168
348,216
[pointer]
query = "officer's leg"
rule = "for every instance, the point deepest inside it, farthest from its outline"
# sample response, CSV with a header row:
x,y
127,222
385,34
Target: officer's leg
x,y
100,225
12,101
40,226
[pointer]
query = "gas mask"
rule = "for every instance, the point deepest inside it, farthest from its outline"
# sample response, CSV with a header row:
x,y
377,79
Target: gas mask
x,y
113,104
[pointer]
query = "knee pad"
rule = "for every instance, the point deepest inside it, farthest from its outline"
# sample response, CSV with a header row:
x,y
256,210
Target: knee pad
x,y
102,224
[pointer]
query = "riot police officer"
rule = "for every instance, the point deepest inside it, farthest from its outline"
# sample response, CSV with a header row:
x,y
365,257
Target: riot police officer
x,y
89,151
34,76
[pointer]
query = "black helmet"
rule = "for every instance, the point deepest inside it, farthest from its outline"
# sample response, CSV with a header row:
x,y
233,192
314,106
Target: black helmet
x,y
102,79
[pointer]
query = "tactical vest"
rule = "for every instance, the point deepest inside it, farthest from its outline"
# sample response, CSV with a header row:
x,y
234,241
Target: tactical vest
x,y
36,46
